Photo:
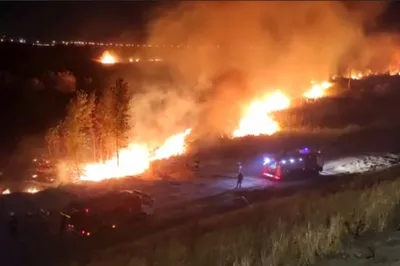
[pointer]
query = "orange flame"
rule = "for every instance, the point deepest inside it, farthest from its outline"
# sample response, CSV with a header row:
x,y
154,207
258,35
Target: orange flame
x,y
107,58
256,120
318,90
134,160
173,146
32,190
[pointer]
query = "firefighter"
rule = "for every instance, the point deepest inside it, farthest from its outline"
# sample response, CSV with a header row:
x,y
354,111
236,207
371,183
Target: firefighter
x,y
239,180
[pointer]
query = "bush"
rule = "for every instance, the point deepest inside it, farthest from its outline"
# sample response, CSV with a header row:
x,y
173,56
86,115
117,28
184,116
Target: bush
x,y
293,230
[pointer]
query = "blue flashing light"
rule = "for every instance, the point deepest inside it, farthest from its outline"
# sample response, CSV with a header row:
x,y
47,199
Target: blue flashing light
x,y
305,151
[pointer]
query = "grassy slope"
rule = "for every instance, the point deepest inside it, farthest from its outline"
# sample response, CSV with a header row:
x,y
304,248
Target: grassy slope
x,y
297,228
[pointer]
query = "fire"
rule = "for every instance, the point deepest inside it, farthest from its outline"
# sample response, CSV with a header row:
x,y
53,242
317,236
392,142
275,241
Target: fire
x,y
6,191
357,76
108,58
32,190
257,121
318,90
173,146
134,160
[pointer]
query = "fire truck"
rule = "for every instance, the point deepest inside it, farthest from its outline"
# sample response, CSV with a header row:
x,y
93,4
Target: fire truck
x,y
108,211
295,163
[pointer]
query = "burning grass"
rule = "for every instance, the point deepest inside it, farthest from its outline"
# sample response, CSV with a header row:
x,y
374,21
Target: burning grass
x,y
293,230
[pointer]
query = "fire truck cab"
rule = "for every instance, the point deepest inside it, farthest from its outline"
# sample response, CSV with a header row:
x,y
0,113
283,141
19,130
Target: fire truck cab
x,y
294,163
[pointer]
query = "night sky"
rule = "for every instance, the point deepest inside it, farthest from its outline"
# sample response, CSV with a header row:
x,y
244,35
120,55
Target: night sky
x,y
95,20
99,20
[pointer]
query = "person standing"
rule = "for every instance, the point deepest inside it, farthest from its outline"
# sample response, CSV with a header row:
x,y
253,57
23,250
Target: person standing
x,y
239,180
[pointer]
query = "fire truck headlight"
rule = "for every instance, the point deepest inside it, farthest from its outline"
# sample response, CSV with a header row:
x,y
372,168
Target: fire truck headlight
x,y
292,160
266,160
283,161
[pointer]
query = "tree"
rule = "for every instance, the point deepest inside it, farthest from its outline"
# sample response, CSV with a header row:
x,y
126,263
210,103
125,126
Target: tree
x,y
89,121
104,125
54,141
78,126
94,128
122,97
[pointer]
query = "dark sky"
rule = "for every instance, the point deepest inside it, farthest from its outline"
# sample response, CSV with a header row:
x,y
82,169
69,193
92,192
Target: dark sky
x,y
97,20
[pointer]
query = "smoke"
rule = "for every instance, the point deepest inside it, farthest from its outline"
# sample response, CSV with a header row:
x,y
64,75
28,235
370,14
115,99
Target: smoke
x,y
230,52
377,53
160,111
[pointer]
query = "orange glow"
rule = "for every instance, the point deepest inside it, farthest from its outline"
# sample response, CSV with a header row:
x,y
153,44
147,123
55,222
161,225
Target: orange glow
x,y
173,146
134,160
32,190
107,58
256,120
357,75
318,90
6,191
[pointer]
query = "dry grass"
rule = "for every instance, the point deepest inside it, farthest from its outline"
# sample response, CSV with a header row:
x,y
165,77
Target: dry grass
x,y
326,131
295,230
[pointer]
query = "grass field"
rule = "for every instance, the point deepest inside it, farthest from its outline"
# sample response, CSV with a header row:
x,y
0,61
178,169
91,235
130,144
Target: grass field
x,y
292,230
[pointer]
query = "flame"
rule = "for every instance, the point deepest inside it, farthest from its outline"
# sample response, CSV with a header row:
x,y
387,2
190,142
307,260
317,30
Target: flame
x,y
257,121
357,75
6,191
317,90
107,58
32,190
173,146
134,160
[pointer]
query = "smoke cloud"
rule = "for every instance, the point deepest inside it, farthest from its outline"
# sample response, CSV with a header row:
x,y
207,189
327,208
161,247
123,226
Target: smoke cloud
x,y
230,52
378,53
